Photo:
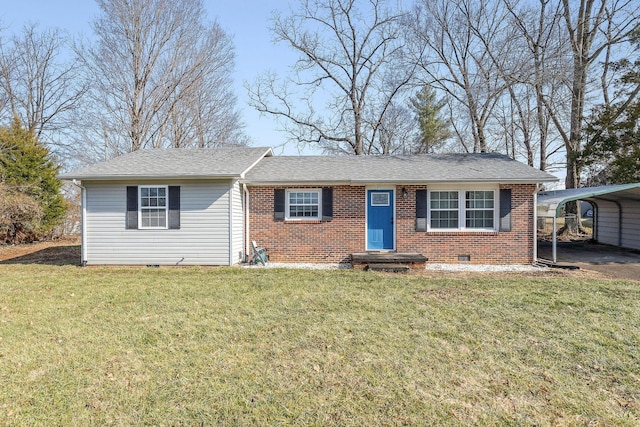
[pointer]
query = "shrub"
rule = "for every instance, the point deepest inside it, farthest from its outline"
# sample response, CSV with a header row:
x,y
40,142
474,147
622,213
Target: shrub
x,y
20,216
28,171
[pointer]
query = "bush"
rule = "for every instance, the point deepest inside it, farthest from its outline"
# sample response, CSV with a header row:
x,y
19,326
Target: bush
x,y
31,189
20,216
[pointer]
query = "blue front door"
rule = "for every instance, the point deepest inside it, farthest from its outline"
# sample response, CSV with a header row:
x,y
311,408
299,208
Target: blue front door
x,y
379,220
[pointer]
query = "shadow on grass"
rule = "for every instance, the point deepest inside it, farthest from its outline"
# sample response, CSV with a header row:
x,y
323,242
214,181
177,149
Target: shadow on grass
x,y
58,255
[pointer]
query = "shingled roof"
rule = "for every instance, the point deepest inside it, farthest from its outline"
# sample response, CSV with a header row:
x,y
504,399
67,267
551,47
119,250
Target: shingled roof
x,y
257,166
224,162
430,168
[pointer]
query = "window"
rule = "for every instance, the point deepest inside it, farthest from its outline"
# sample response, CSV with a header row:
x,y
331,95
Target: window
x,y
479,209
380,199
303,204
444,209
153,207
462,210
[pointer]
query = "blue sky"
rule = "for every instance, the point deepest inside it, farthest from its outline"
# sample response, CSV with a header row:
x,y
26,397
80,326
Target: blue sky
x,y
246,20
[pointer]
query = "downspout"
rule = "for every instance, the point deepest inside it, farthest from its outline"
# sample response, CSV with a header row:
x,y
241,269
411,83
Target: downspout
x,y
83,227
230,248
245,199
535,223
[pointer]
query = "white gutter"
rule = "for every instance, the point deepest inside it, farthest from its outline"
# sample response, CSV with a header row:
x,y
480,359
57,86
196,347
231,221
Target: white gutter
x,y
365,182
83,227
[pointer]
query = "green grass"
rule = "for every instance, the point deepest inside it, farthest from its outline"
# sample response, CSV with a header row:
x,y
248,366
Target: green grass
x,y
128,346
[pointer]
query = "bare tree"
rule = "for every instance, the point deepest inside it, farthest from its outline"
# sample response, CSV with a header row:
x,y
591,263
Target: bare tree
x,y
351,64
592,26
161,77
586,22
38,87
396,134
458,62
538,83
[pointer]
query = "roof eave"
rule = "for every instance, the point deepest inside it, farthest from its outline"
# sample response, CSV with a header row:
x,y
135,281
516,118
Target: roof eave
x,y
66,177
360,182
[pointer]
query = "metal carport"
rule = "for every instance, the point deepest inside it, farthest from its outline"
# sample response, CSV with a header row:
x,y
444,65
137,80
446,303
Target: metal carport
x,y
616,219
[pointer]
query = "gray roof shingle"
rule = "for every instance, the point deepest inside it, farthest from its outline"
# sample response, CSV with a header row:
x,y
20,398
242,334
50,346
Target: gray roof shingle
x,y
175,163
430,168
257,166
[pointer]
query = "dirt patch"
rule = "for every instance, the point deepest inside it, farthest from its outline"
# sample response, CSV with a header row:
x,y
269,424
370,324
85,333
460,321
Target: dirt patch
x,y
64,251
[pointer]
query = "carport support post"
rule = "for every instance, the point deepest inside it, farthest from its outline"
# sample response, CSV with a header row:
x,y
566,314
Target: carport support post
x,y
553,245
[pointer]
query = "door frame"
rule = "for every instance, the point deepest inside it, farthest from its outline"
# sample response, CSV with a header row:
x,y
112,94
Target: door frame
x,y
367,188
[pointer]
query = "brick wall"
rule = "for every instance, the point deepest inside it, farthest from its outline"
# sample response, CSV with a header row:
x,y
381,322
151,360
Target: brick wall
x,y
333,241
513,247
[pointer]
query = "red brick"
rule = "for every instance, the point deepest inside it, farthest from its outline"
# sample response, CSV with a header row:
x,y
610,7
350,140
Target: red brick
x,y
333,241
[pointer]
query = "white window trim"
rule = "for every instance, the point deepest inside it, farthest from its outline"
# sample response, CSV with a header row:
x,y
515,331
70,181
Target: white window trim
x,y
140,208
462,219
302,190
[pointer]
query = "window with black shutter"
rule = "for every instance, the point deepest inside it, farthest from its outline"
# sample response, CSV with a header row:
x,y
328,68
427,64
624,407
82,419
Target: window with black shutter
x,y
153,207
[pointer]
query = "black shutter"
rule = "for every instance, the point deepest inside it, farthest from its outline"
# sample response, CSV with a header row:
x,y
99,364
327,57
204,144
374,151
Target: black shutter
x,y
132,208
421,210
278,204
327,203
174,208
505,209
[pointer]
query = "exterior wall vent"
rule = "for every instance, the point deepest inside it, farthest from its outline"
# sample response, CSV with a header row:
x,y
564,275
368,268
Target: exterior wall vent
x,y
464,258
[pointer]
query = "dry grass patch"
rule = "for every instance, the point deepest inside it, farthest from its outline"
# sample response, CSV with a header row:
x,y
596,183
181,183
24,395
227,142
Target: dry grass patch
x,y
122,346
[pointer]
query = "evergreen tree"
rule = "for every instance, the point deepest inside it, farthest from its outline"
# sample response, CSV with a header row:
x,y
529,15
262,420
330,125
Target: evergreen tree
x,y
612,153
433,131
27,167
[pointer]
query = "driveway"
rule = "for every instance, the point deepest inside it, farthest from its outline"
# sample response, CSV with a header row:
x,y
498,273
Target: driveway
x,y
612,261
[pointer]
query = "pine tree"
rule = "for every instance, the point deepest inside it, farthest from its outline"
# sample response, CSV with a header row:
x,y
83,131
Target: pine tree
x,y
612,152
28,168
433,131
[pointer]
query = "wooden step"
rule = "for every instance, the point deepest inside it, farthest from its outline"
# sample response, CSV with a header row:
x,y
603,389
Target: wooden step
x,y
391,268
387,258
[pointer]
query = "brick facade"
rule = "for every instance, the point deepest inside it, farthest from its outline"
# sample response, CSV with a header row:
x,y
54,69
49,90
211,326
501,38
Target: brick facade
x,y
333,241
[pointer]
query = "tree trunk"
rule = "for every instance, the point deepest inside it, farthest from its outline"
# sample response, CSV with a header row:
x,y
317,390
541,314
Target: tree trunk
x,y
572,180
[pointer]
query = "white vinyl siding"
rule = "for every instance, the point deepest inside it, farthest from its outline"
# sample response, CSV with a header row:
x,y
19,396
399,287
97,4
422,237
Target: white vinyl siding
x,y
237,218
203,237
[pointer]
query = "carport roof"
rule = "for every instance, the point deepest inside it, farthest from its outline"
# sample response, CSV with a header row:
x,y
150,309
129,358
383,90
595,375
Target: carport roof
x,y
550,202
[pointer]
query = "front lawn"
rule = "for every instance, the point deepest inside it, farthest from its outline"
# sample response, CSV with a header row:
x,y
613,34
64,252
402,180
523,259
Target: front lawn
x,y
230,346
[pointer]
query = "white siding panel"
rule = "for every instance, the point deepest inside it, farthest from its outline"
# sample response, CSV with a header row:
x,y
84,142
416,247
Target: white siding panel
x,y
203,237
237,251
